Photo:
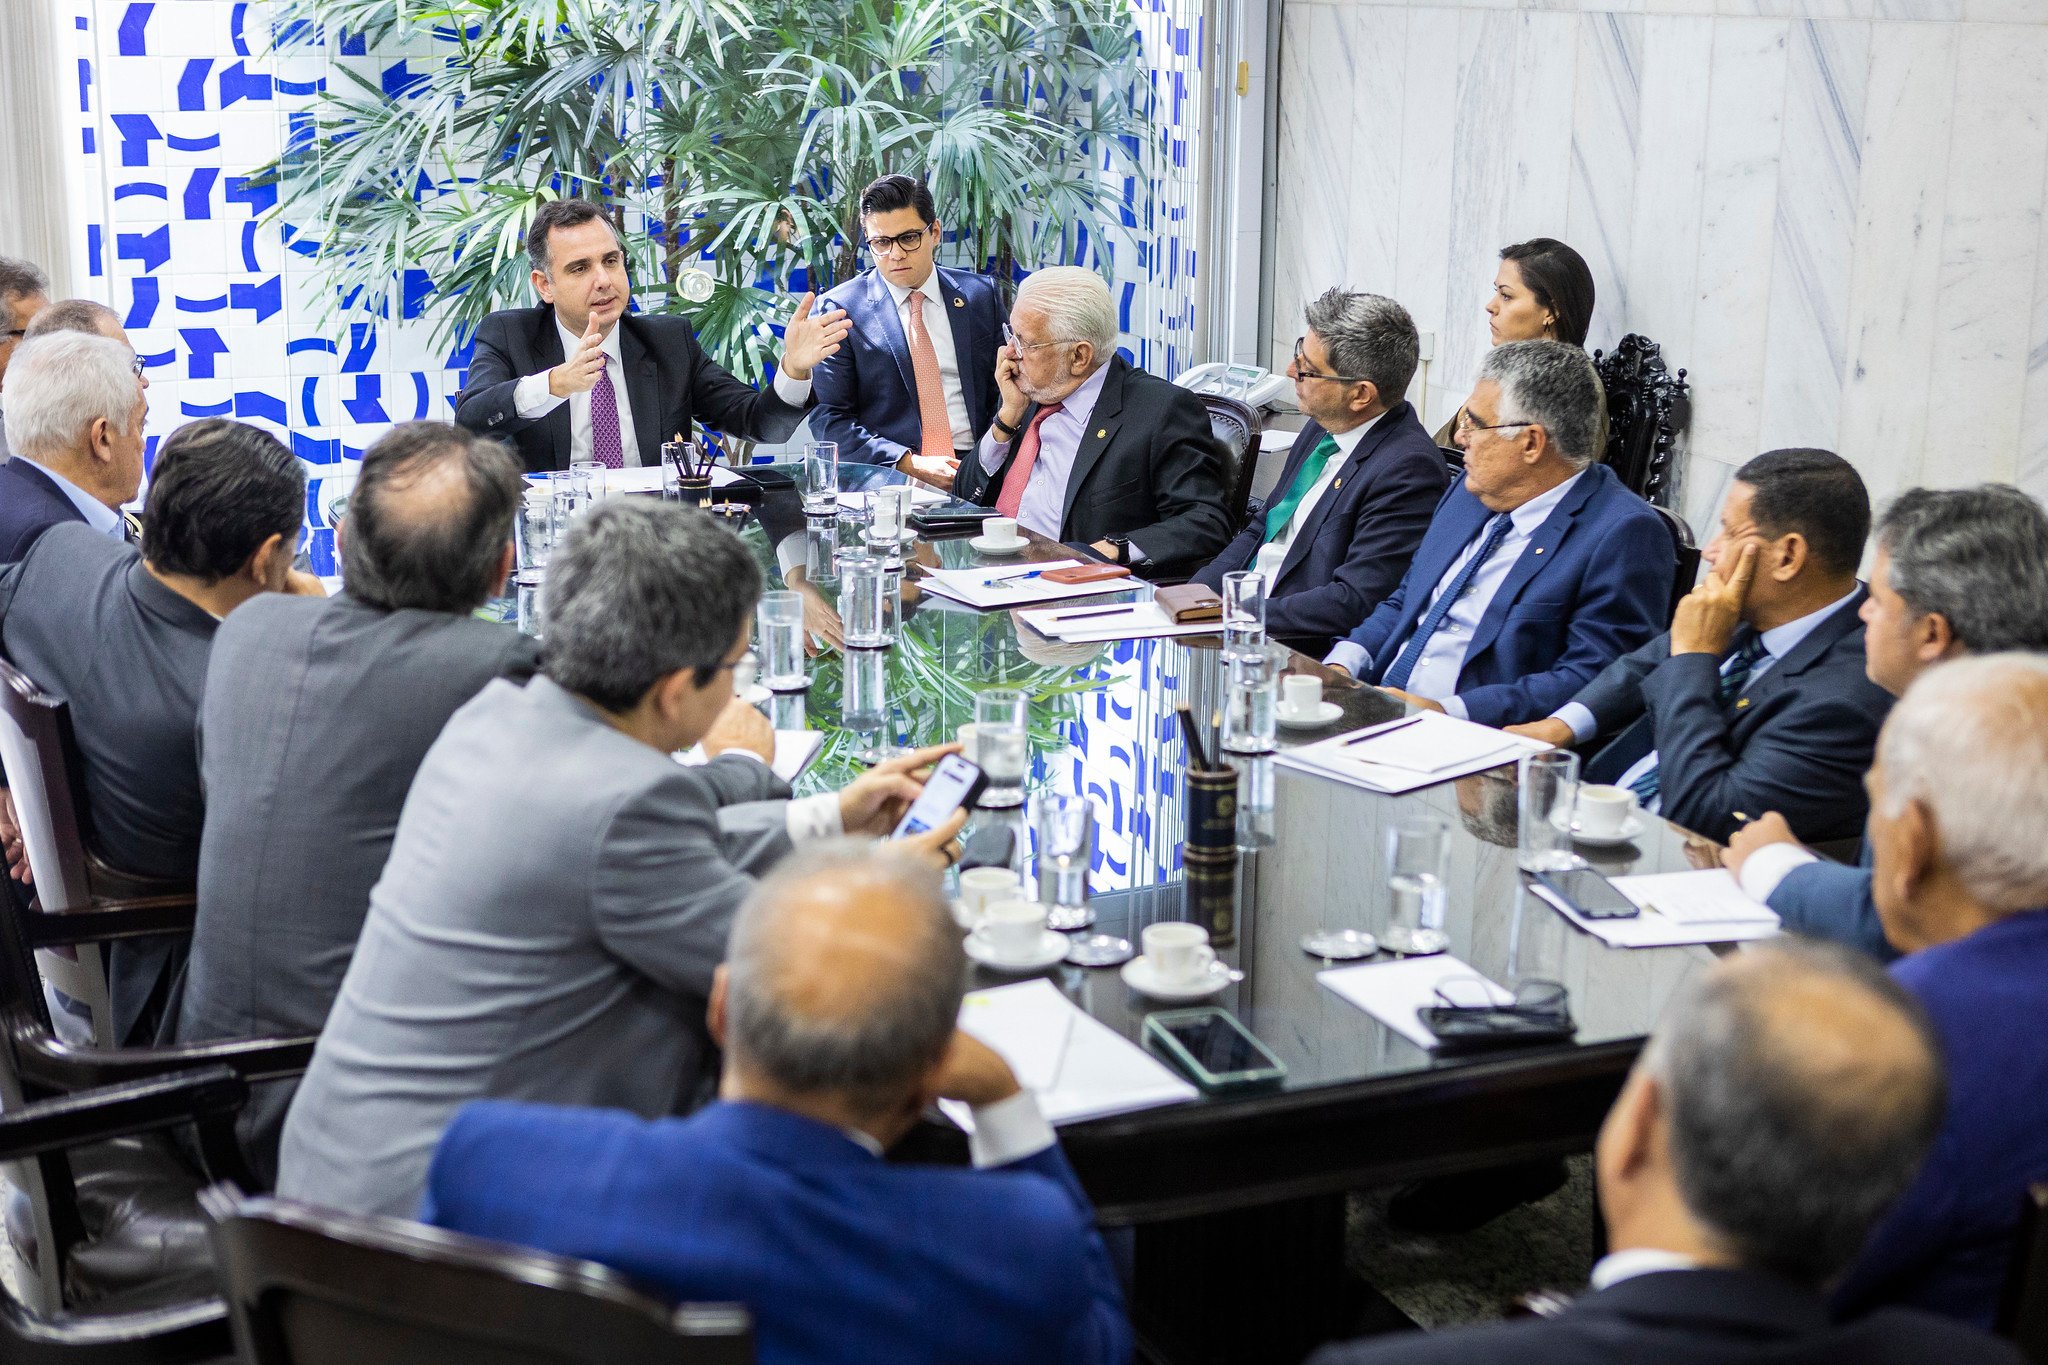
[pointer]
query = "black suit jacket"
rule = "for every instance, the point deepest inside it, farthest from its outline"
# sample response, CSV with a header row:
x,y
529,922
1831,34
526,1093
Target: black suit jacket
x,y
1798,740
1691,1317
1148,468
1355,543
29,505
670,383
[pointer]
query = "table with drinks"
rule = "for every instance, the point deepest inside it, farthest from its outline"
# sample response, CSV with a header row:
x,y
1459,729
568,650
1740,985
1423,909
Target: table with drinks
x,y
1141,832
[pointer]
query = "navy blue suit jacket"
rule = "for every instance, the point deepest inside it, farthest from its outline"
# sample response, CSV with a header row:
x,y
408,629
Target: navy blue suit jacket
x,y
1593,583
1797,740
30,504
1827,900
839,1254
867,393
1354,544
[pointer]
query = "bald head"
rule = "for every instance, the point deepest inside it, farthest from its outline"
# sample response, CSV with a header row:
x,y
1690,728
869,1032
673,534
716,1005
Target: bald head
x,y
79,315
1802,1089
844,976
429,519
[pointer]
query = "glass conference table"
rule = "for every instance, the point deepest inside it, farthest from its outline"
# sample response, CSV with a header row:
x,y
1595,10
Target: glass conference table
x,y
1238,1202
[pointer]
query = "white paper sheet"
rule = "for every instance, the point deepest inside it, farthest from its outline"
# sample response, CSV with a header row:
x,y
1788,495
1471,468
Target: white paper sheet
x,y
1131,621
921,495
1678,908
1473,748
1079,1067
1393,992
794,750
978,587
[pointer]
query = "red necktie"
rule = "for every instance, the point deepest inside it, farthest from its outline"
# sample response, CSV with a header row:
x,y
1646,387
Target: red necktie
x,y
1020,468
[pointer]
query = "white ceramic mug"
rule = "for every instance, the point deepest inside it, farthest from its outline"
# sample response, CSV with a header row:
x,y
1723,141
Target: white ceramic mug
x,y
1300,694
1000,530
1605,811
1012,928
981,887
1179,953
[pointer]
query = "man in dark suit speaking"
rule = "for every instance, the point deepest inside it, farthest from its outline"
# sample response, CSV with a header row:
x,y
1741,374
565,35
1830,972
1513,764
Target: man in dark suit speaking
x,y
1088,449
575,378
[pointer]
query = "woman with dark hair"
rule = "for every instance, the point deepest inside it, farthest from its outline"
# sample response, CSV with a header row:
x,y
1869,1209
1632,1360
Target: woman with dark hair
x,y
1542,290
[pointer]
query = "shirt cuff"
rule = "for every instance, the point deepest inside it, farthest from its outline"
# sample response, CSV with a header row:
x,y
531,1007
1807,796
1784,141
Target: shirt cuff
x,y
992,452
1454,707
1350,657
815,817
1008,1131
1579,718
531,399
1769,865
791,552
795,392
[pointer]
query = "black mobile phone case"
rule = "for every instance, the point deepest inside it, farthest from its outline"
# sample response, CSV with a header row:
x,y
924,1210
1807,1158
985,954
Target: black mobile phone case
x,y
1470,1030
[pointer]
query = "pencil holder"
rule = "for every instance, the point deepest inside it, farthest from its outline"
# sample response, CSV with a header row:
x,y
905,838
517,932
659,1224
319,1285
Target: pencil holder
x,y
1210,879
1212,811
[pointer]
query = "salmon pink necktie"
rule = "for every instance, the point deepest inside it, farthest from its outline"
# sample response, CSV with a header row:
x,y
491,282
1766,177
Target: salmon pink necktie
x,y
1020,468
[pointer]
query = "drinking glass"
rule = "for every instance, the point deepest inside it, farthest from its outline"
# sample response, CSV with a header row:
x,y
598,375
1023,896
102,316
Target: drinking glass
x,y
779,620
535,529
852,522
1064,827
1001,745
821,478
786,711
671,478
564,506
1249,697
527,588
864,702
1244,614
1548,789
1416,852
887,509
589,475
863,608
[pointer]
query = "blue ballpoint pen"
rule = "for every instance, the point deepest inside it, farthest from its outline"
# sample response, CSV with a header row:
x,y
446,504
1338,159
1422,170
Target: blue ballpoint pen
x,y
1010,578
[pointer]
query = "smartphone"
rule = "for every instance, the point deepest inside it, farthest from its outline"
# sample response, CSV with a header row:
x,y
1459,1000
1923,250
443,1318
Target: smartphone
x,y
1213,1048
953,783
1588,893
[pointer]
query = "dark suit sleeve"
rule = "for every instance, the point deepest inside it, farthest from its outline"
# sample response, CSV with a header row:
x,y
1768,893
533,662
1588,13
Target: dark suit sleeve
x,y
1187,481
1616,697
1236,557
836,386
1807,762
485,405
1101,1334
725,404
1391,521
1827,900
975,484
1623,602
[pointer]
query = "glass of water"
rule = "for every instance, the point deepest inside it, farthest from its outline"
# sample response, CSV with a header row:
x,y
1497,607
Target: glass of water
x,y
535,529
1249,698
863,604
1244,614
1416,853
864,702
887,510
821,478
1064,828
1001,745
589,476
1547,787
779,622
527,589
564,506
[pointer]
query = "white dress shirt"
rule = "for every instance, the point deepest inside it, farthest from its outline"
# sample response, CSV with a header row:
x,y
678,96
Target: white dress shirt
x,y
1616,1266
938,324
1435,674
102,518
1006,1131
531,399
1044,506
1347,443
1769,865
1778,641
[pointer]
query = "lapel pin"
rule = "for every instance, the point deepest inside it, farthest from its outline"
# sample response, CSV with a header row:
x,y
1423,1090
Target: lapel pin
x,y
1101,432
1741,703
1539,549
1338,484
959,303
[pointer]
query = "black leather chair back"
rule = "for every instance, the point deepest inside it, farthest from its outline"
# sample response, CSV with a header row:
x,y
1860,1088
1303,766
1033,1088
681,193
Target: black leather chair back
x,y
1647,409
1688,554
1237,428
306,1286
2023,1307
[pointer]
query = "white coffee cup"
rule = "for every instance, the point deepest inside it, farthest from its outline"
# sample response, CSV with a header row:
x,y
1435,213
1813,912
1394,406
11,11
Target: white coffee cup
x,y
981,887
1300,694
1179,953
1000,531
1012,928
1605,811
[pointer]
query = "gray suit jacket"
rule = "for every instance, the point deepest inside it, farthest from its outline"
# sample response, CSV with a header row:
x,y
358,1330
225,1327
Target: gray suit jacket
x,y
317,714
546,930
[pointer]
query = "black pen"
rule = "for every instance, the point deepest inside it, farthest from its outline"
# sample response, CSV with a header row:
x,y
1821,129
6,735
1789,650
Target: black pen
x,y
1376,731
1105,611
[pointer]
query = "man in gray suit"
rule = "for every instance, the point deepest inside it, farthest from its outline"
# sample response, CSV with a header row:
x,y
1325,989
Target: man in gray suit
x,y
560,889
315,719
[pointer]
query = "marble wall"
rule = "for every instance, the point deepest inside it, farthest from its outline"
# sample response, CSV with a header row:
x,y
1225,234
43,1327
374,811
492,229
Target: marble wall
x,y
1830,212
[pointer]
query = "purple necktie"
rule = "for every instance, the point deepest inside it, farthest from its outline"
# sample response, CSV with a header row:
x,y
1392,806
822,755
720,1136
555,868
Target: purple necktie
x,y
604,423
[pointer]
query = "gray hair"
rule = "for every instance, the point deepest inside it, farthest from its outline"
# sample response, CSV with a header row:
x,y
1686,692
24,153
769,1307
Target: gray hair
x,y
1969,741
74,315
638,590
1977,557
1792,1129
1368,336
1550,384
871,1056
20,279
428,519
58,385
1076,304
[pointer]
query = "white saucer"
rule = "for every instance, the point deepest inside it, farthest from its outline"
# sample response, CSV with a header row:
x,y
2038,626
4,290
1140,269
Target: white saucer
x,y
1326,712
757,695
1137,974
1052,948
1630,829
998,547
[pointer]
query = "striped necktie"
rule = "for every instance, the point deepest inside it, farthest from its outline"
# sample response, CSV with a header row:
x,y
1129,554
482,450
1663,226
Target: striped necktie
x,y
1398,675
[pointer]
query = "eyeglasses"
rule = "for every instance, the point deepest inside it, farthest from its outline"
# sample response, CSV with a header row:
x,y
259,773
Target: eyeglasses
x,y
1010,338
1534,998
1465,423
13,334
137,366
1302,370
902,244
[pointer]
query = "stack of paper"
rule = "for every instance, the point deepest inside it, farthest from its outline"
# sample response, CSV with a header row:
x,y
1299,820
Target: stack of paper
x,y
1417,751
1079,1067
1125,621
1016,585
921,495
794,750
1395,993
1677,908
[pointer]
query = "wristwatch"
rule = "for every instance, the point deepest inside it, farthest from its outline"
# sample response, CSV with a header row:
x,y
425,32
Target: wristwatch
x,y
1123,548
1004,429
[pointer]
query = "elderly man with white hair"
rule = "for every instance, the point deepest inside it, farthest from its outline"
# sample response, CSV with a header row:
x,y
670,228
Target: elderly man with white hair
x,y
1959,838
74,419
1087,448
